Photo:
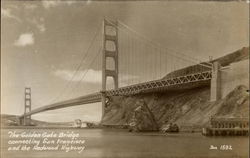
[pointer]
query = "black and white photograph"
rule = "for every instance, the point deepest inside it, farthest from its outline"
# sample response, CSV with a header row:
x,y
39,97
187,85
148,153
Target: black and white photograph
x,y
124,79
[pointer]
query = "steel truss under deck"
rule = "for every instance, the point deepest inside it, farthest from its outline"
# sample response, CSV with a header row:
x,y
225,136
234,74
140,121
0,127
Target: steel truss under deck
x,y
160,84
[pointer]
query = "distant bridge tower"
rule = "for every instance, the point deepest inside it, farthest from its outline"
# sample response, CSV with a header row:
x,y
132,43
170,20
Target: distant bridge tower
x,y
27,106
110,50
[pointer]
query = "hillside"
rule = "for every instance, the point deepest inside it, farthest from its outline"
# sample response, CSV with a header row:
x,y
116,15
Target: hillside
x,y
188,108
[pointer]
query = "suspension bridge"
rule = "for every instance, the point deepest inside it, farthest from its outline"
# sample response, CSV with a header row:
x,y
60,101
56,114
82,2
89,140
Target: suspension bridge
x,y
133,64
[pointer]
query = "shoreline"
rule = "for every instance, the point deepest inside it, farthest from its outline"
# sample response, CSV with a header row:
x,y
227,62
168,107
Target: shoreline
x,y
103,127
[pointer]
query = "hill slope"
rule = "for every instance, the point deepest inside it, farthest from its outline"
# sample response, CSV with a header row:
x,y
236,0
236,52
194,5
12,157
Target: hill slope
x,y
189,108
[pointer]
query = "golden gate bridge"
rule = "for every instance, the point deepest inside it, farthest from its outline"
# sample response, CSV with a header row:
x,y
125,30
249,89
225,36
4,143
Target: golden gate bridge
x,y
132,64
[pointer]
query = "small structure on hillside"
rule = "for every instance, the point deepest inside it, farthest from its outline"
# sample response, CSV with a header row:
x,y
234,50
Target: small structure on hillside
x,y
171,127
84,124
78,123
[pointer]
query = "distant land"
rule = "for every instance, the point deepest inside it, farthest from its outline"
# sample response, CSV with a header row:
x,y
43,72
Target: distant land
x,y
11,120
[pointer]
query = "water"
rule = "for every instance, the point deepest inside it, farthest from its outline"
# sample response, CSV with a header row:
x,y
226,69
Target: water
x,y
120,143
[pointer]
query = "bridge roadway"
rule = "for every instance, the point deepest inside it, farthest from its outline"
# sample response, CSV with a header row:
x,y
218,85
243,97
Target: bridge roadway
x,y
171,84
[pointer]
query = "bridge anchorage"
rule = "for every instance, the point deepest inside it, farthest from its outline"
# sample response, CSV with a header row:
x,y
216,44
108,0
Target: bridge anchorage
x,y
198,73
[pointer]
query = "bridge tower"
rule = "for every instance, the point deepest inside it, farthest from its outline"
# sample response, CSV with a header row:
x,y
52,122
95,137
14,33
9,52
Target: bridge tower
x,y
110,50
27,106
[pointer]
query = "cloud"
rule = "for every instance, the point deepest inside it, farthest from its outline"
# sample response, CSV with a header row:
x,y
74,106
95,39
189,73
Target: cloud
x,y
6,13
41,27
25,40
49,4
30,6
70,2
88,2
39,24
92,76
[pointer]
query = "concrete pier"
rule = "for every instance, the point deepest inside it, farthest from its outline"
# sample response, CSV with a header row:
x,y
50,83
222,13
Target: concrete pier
x,y
227,127
215,90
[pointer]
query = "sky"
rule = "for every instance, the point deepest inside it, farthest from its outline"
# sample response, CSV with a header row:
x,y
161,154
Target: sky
x,y
43,42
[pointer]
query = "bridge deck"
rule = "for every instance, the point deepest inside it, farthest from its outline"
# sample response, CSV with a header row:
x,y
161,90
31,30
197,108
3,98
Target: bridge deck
x,y
91,98
153,86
